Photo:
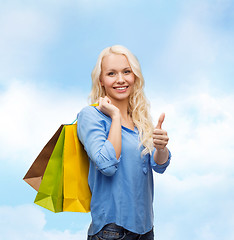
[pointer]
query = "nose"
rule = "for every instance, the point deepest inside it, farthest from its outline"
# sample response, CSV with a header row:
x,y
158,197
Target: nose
x,y
120,78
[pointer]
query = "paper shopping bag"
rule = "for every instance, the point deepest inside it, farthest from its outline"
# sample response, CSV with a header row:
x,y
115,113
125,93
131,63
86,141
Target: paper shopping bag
x,y
77,195
50,193
36,171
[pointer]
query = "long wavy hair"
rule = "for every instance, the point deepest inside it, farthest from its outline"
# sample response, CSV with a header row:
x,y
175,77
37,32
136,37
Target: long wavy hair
x,y
138,105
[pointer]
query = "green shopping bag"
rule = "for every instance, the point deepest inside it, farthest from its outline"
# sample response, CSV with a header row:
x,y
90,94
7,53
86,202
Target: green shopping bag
x,y
50,193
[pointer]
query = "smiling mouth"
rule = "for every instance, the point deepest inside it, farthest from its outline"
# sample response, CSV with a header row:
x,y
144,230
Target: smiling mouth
x,y
121,88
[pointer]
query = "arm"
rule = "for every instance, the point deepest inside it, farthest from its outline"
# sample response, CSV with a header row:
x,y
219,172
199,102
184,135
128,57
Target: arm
x,y
115,131
161,155
115,135
92,134
160,167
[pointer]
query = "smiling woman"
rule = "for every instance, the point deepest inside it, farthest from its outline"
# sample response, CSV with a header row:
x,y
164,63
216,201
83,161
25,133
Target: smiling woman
x,y
117,77
137,104
123,149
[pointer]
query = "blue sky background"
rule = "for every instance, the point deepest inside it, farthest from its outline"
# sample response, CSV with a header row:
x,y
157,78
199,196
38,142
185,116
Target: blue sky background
x,y
47,52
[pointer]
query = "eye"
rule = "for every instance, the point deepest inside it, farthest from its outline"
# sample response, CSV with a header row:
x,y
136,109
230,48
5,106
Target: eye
x,y
127,71
110,74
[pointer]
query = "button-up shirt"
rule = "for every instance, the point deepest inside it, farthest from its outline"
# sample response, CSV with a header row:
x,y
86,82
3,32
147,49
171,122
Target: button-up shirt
x,y
122,189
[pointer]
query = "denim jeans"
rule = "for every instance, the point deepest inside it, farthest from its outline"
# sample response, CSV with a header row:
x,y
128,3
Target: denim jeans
x,y
113,232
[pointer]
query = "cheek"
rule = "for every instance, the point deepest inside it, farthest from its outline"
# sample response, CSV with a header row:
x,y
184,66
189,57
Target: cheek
x,y
131,80
106,82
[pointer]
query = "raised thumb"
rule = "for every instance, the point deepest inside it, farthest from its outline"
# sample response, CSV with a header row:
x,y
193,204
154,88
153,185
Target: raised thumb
x,y
160,121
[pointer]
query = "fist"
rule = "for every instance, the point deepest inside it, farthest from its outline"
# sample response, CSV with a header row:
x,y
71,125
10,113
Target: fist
x,y
160,138
105,106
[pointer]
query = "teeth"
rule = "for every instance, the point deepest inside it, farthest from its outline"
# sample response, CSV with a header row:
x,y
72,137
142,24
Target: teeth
x,y
121,88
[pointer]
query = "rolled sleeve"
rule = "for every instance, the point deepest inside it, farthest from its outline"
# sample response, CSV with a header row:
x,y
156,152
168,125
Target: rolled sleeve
x,y
160,168
107,158
93,135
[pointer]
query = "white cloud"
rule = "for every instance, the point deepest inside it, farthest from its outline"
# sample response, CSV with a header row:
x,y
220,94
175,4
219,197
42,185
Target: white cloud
x,y
27,222
90,6
190,49
199,46
25,31
30,115
24,25
194,196
191,42
200,131
193,206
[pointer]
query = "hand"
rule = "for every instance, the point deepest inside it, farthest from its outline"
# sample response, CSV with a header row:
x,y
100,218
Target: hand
x,y
105,106
160,138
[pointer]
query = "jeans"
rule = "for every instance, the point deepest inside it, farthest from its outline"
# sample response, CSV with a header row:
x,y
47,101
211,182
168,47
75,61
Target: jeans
x,y
113,231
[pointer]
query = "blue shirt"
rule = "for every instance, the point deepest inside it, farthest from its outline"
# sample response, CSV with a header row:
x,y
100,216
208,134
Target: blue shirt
x,y
122,189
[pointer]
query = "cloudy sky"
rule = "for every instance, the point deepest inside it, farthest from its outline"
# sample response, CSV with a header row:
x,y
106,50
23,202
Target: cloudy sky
x,y
47,51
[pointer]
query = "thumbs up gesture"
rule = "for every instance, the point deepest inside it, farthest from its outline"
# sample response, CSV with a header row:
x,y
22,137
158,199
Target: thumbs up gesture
x,y
160,138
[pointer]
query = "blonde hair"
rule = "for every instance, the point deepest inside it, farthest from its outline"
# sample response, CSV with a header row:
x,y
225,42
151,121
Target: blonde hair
x,y
138,106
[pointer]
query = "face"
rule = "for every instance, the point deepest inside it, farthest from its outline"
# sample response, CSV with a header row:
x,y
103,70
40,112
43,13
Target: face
x,y
117,77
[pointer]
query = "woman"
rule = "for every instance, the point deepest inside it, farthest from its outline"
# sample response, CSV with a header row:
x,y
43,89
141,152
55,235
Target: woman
x,y
123,148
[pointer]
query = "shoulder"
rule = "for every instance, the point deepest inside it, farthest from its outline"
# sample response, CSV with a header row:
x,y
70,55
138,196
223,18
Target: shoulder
x,y
87,110
90,112
90,118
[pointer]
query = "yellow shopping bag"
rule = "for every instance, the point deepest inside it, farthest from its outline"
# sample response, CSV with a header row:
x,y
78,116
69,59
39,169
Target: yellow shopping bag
x,y
77,195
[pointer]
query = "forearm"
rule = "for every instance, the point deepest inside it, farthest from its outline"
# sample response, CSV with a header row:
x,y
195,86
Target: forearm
x,y
160,157
115,135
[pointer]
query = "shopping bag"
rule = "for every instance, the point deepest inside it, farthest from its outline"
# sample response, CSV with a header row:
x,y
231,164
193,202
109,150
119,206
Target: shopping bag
x,y
50,193
61,169
34,175
77,195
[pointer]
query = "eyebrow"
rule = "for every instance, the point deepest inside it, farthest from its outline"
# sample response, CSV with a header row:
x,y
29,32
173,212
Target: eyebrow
x,y
109,70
